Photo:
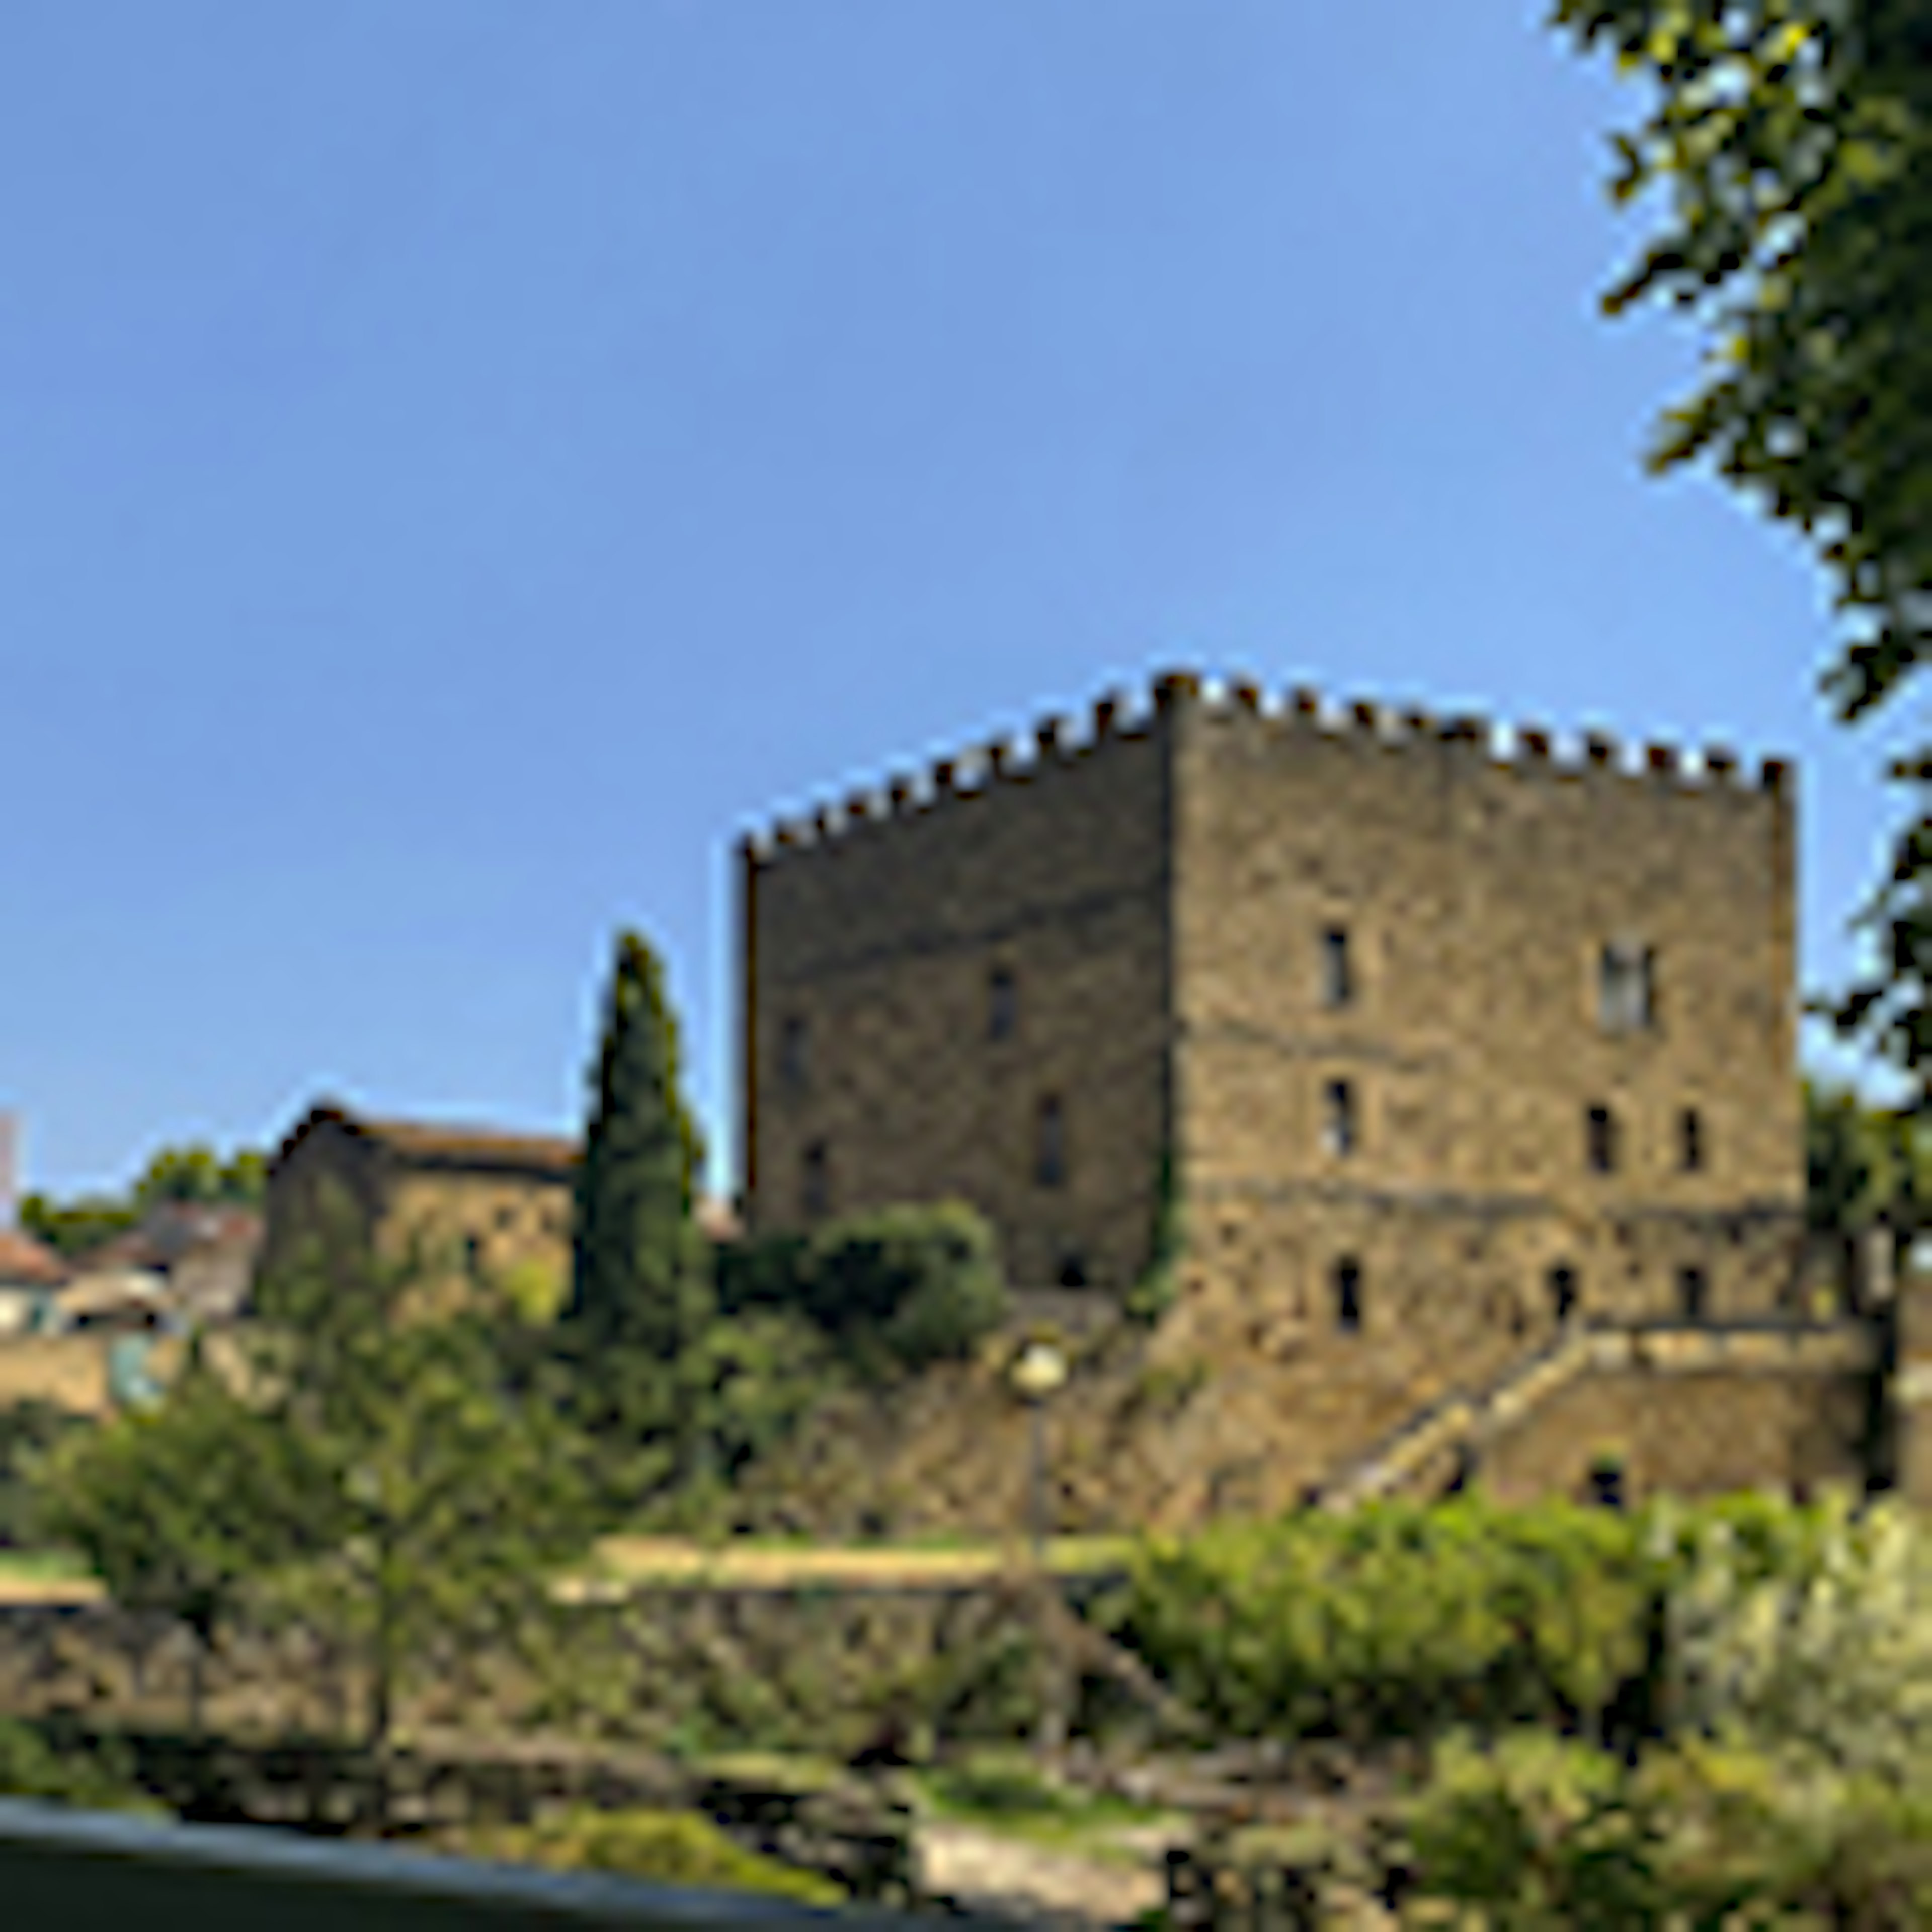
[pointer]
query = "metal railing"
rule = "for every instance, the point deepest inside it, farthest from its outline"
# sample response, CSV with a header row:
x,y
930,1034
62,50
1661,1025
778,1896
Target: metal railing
x,y
80,1871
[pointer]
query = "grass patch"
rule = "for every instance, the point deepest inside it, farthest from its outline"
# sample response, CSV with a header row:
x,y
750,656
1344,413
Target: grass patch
x,y
1010,1797
775,1560
42,1566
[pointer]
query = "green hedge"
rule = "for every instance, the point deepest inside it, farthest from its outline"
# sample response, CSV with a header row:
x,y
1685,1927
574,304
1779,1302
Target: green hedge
x,y
1397,1621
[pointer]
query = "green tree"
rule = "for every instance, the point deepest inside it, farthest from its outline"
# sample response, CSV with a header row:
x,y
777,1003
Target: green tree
x,y
176,1509
196,1173
72,1228
1795,139
434,1499
362,1462
1863,1164
640,1299
193,1173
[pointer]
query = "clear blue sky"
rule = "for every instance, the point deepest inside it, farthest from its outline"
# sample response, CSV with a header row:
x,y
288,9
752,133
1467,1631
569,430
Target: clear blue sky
x,y
461,462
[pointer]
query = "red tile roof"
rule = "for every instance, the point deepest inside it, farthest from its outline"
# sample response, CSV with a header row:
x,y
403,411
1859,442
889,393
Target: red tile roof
x,y
23,1259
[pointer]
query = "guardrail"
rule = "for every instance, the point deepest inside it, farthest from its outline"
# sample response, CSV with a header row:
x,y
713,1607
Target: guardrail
x,y
80,1871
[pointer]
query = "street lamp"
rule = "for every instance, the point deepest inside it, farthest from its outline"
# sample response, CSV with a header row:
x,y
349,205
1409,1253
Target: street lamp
x,y
1040,1369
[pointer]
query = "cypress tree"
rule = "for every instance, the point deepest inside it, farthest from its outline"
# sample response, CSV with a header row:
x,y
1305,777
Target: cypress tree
x,y
639,1295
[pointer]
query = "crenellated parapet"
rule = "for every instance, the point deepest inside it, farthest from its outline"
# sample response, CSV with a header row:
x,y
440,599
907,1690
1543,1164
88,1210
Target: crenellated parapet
x,y
981,770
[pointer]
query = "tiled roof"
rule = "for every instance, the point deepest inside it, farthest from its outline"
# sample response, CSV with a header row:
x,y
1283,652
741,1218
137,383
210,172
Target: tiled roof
x,y
174,1228
435,1144
24,1260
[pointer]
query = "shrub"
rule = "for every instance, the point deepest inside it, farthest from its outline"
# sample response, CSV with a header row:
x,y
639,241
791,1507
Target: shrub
x,y
896,1288
30,1767
669,1847
1399,1620
1537,1832
759,1274
1809,1631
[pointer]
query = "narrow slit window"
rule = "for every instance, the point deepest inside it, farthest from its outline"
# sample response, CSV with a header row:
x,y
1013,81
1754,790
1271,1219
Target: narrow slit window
x,y
1339,1126
1003,1003
1600,1137
1562,1285
1349,1296
793,1040
1338,978
1690,1141
815,1181
1693,1295
1050,1143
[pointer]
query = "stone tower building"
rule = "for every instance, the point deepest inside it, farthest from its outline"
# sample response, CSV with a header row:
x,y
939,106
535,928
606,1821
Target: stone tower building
x,y
1440,1045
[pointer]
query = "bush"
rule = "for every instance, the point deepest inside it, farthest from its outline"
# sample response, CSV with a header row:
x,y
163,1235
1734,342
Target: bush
x,y
896,1288
924,1283
1537,1832
761,1273
1398,1621
1809,1631
30,1767
669,1847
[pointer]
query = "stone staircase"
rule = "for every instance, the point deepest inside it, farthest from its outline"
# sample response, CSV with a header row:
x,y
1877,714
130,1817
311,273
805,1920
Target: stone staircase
x,y
1422,1453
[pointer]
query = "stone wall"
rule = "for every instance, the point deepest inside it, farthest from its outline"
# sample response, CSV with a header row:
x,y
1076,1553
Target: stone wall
x,y
1698,1414
494,1220
1163,895
870,949
71,1371
1476,896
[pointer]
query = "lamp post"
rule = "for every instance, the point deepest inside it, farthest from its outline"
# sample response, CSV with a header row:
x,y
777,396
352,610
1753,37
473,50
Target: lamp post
x,y
1041,1368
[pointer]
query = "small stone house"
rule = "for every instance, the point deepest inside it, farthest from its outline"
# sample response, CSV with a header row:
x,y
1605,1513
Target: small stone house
x,y
495,1205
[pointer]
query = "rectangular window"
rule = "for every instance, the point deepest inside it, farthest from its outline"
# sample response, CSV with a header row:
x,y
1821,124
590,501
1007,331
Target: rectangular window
x,y
793,1040
1626,987
815,1181
1050,1144
1003,1003
1339,1125
1693,1294
1690,1148
1600,1136
1348,1296
1338,981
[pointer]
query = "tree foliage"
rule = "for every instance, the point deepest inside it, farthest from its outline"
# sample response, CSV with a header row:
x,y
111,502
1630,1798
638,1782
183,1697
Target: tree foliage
x,y
1825,1652
360,1463
640,1297
888,1289
1795,140
1397,1620
193,1173
1863,1164
178,1508
435,1500
71,1228
633,1245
